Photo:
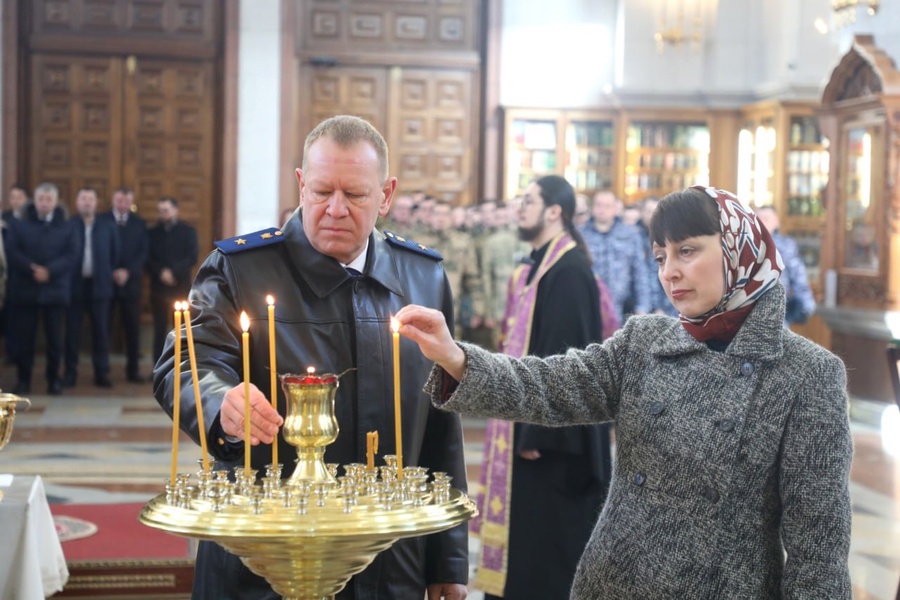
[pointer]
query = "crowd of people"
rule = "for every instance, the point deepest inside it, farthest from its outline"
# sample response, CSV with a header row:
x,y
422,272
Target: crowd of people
x,y
732,432
60,269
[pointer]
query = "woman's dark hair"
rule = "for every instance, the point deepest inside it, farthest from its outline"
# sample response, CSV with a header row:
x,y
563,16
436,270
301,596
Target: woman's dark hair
x,y
680,215
556,190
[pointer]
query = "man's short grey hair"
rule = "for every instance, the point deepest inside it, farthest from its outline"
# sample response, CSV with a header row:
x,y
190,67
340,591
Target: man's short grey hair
x,y
47,187
345,131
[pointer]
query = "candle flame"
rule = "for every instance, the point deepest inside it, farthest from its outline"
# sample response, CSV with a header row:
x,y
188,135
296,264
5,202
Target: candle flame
x,y
178,305
245,321
310,370
395,325
270,300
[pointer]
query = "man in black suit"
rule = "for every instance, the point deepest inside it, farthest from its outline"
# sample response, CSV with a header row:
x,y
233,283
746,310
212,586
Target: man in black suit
x,y
42,251
92,288
173,253
127,277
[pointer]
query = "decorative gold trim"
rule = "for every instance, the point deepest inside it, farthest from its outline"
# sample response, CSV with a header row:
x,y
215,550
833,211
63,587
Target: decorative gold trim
x,y
107,582
131,563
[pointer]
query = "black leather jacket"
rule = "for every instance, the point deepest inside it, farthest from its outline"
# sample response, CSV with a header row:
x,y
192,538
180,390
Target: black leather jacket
x,y
332,321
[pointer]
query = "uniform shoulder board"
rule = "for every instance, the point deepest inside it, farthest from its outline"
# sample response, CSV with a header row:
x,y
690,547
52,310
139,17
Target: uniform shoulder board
x,y
401,242
257,239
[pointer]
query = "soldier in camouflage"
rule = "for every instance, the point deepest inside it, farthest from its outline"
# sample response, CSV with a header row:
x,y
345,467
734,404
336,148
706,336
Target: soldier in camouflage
x,y
460,265
502,251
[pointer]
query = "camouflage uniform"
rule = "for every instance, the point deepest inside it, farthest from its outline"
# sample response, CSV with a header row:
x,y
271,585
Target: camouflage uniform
x,y
502,252
461,266
618,259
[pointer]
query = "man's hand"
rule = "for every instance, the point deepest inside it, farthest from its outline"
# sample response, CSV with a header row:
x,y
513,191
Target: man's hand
x,y
530,454
448,591
40,274
428,328
264,420
120,276
166,277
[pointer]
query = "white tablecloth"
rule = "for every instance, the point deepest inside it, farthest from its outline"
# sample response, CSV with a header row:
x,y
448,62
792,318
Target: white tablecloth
x,y
32,565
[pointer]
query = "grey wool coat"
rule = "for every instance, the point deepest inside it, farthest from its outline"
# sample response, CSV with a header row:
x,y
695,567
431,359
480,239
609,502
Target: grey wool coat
x,y
732,468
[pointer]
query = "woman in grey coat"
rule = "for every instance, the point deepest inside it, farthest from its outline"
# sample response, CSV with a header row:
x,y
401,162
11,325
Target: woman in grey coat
x,y
733,443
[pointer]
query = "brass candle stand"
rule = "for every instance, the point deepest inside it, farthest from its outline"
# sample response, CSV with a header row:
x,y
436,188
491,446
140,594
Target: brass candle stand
x,y
308,535
8,403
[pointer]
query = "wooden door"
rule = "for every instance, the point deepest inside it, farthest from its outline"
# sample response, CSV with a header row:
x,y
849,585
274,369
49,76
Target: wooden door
x,y
76,124
358,91
104,122
432,129
168,140
426,116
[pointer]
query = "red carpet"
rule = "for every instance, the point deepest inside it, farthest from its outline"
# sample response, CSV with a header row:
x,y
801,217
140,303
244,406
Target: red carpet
x,y
119,535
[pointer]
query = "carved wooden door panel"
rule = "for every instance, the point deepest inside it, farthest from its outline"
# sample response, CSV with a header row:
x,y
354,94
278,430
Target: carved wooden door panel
x,y
427,116
106,122
432,128
168,141
358,91
76,124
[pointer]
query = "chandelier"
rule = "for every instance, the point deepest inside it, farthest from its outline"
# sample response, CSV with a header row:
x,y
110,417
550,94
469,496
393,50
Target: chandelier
x,y
845,10
679,26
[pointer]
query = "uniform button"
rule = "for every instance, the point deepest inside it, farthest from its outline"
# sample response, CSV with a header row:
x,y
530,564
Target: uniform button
x,y
711,494
639,478
657,407
726,425
747,369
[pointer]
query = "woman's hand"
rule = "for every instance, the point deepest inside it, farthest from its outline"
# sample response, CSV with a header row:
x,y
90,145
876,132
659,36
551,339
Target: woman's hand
x,y
428,328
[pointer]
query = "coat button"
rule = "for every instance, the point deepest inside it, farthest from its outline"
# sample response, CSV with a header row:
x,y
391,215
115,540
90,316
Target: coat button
x,y
639,478
747,369
726,425
711,494
657,407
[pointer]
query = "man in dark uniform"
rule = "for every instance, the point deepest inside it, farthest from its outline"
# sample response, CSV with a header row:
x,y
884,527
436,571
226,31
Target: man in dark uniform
x,y
173,253
127,276
92,288
336,281
42,250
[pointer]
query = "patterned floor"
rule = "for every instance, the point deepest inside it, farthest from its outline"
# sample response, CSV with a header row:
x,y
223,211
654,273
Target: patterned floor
x,y
106,446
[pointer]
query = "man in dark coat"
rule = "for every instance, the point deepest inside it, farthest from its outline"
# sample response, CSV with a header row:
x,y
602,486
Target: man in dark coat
x,y
16,201
92,288
42,250
127,276
173,253
559,476
336,281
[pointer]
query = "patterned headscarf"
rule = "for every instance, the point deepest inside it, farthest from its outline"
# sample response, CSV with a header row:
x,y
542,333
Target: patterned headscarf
x,y
752,266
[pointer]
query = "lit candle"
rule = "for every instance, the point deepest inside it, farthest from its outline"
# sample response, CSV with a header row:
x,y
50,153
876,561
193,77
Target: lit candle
x,y
176,394
245,339
195,381
273,371
371,449
395,329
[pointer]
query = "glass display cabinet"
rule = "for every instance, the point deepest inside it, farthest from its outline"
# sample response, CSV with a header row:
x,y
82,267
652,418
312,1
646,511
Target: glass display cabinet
x,y
662,156
579,145
860,114
783,162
